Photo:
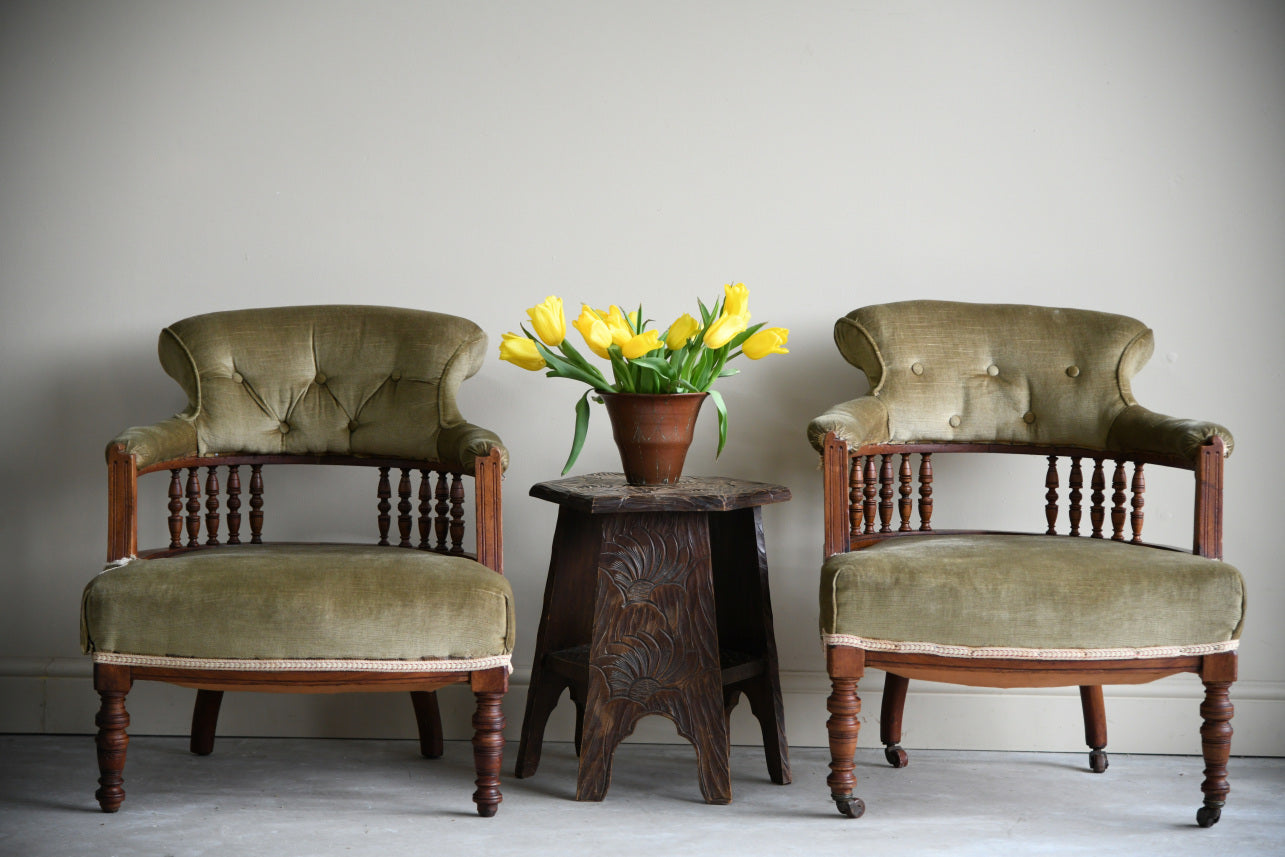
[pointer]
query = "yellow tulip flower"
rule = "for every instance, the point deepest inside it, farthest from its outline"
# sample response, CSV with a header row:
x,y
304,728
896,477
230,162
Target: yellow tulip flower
x,y
548,320
521,351
621,330
724,328
680,331
767,341
594,330
737,300
637,346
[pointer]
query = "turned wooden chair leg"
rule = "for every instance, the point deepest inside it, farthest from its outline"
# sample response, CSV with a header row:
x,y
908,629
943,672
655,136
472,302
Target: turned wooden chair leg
x,y
894,703
1095,726
488,738
428,719
1217,673
205,719
113,684
845,665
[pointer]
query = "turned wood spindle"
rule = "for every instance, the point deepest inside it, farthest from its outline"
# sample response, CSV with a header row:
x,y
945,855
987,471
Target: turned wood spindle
x,y
926,491
234,504
1215,740
1050,497
1117,503
856,495
1138,488
384,492
1097,514
488,751
1075,511
176,508
425,509
885,495
441,511
212,505
843,728
112,740
872,493
403,509
256,504
193,507
905,505
457,514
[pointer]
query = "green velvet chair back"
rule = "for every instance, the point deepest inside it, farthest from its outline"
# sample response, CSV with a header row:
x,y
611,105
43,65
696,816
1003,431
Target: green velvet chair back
x,y
316,380
979,373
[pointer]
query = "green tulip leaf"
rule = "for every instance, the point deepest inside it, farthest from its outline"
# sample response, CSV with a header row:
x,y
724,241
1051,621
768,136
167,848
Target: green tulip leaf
x,y
722,421
582,429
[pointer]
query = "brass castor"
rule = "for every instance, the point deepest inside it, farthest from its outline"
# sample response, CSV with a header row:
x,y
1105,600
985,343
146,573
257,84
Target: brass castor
x,y
1207,816
896,756
1098,761
849,806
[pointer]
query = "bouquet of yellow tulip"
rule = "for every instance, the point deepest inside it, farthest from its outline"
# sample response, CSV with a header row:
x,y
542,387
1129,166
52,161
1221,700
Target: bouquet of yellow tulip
x,y
687,357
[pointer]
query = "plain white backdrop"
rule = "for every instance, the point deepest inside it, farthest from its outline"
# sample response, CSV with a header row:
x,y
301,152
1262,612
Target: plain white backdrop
x,y
159,160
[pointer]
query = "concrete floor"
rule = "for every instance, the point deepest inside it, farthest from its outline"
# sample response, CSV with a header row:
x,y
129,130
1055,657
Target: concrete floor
x,y
330,797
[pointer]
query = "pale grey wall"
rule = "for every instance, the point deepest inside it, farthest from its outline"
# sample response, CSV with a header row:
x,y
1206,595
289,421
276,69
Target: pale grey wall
x,y
163,159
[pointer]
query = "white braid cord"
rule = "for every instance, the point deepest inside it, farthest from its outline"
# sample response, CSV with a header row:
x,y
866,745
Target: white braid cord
x,y
306,664
1120,654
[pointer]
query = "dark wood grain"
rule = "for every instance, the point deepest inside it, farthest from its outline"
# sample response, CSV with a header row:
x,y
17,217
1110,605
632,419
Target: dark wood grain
x,y
660,609
600,493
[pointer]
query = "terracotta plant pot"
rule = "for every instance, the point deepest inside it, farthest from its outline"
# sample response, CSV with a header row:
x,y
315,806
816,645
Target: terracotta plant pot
x,y
653,432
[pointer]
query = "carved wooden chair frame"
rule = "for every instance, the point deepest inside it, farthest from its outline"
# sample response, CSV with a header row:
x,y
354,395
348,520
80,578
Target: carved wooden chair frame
x,y
862,489
441,517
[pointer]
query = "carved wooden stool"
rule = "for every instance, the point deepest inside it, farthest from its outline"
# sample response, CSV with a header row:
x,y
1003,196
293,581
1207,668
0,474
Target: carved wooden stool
x,y
657,603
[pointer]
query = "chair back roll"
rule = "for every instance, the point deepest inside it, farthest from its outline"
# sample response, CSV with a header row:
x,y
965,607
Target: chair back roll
x,y
962,372
316,380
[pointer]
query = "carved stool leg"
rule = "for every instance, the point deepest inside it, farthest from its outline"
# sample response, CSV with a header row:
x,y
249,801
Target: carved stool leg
x,y
1217,674
846,666
205,719
112,683
894,703
541,698
488,738
1095,726
428,721
767,709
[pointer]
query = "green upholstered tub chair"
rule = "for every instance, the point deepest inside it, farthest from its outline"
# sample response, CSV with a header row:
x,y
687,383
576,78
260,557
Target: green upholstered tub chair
x,y
1081,602
229,609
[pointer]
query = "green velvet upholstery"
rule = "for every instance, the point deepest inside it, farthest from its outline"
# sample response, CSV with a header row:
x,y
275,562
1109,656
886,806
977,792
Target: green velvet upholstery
x,y
343,380
1041,592
944,371
291,601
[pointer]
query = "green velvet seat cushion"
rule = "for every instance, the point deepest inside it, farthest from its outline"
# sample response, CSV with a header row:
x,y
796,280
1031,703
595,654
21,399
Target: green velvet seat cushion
x,y
286,601
1020,591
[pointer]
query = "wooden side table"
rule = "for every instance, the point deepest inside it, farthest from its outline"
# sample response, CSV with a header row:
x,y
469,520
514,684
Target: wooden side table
x,y
656,603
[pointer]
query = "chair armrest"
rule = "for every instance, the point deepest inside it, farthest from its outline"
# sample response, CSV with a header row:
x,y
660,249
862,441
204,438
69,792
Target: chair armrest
x,y
164,441
1137,429
464,443
856,422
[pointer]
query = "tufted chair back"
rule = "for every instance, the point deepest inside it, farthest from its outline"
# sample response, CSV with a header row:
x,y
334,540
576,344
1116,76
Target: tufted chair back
x,y
340,380
963,372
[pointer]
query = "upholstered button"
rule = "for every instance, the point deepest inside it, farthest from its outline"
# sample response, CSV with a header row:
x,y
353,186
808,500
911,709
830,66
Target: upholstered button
x,y
236,376
284,427
917,368
1028,418
992,370
396,376
1073,371
352,426
955,421
320,379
